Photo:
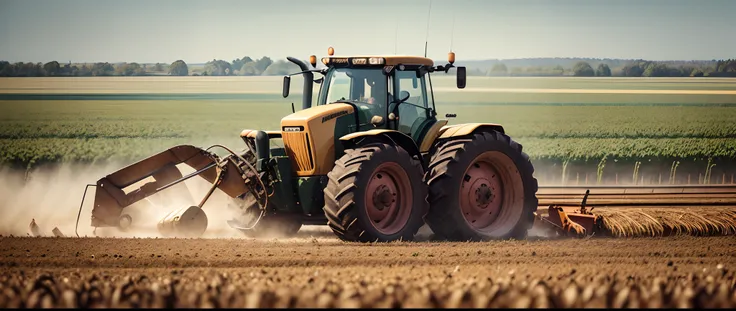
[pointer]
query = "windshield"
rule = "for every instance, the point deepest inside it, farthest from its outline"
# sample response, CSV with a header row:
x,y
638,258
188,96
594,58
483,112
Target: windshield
x,y
361,86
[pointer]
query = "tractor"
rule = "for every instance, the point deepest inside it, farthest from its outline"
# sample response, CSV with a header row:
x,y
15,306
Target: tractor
x,y
370,159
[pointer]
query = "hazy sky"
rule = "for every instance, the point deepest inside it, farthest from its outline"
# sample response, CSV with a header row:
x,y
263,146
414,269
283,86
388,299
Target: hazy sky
x,y
198,30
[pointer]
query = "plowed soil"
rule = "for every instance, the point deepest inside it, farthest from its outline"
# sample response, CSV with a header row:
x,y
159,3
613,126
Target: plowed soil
x,y
323,272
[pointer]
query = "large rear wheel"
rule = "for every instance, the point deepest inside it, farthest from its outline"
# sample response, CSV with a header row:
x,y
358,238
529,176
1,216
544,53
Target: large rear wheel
x,y
480,188
376,193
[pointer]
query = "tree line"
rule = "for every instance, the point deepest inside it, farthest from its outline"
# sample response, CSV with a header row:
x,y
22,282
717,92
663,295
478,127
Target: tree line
x,y
637,68
247,66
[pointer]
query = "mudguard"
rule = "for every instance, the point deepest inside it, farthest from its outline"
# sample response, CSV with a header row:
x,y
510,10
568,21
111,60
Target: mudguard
x,y
399,138
467,129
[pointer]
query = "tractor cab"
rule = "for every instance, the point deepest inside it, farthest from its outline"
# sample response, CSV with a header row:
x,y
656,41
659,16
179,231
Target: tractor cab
x,y
388,92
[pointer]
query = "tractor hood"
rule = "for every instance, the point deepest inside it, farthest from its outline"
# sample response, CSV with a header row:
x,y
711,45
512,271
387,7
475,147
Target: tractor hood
x,y
309,137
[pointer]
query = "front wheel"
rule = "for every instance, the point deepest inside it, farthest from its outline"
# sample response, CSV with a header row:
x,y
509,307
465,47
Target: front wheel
x,y
376,193
480,188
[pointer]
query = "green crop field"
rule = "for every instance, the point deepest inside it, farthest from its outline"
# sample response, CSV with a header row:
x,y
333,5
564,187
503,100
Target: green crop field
x,y
47,120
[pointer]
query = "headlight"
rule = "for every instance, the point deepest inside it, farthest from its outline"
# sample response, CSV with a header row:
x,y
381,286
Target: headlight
x,y
359,61
376,60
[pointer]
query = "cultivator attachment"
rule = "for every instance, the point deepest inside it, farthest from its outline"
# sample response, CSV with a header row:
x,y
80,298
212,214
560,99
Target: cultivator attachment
x,y
233,175
579,223
638,211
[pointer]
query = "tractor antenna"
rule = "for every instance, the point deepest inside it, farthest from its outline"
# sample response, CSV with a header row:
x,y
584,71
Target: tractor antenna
x,y
426,38
452,34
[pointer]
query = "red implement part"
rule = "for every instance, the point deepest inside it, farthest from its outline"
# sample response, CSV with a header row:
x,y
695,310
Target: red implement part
x,y
572,224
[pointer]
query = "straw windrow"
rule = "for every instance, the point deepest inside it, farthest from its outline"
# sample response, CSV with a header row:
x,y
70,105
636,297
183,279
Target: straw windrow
x,y
669,221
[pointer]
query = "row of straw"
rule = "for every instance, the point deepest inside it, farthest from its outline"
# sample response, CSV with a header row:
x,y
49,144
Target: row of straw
x,y
637,222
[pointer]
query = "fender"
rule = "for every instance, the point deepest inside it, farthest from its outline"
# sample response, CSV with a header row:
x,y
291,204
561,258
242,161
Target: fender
x,y
458,130
432,133
398,138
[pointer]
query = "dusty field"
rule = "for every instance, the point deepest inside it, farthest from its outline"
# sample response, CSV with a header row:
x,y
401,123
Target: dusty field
x,y
319,271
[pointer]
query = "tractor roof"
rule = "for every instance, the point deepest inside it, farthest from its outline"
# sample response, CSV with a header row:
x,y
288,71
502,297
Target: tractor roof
x,y
388,60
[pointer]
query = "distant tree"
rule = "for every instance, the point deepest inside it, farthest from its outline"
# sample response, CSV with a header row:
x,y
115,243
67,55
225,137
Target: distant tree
x,y
218,67
603,71
255,68
84,71
178,68
249,69
130,69
98,69
656,70
697,72
583,69
280,68
6,69
159,67
632,70
680,71
499,69
724,68
239,62
52,68
263,63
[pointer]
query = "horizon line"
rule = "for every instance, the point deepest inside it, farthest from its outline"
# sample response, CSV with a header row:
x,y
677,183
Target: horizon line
x,y
457,61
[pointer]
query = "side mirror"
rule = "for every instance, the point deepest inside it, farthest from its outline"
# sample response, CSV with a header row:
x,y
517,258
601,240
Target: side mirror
x,y
414,83
461,77
287,84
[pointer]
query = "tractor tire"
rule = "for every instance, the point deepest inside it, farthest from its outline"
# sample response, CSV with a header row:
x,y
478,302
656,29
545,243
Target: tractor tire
x,y
481,188
376,193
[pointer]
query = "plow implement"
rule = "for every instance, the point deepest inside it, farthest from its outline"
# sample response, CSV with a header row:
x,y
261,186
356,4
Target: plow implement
x,y
637,211
233,175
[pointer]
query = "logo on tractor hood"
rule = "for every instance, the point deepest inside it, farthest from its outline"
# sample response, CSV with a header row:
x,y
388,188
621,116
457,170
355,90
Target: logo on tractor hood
x,y
293,128
334,115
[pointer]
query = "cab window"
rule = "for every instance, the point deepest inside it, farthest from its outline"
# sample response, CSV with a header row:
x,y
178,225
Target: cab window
x,y
413,112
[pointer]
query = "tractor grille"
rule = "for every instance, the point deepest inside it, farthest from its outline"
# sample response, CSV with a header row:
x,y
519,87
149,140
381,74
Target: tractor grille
x,y
298,149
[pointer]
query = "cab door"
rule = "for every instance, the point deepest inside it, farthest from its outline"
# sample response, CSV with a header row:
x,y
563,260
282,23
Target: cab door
x,y
415,115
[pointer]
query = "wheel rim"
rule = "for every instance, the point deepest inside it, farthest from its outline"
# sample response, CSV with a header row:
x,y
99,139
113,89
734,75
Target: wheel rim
x,y
491,194
388,198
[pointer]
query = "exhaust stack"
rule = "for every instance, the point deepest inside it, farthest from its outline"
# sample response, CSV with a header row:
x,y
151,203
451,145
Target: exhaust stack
x,y
308,82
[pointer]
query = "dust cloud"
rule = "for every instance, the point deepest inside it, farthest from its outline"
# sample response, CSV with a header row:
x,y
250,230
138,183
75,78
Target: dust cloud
x,y
52,197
